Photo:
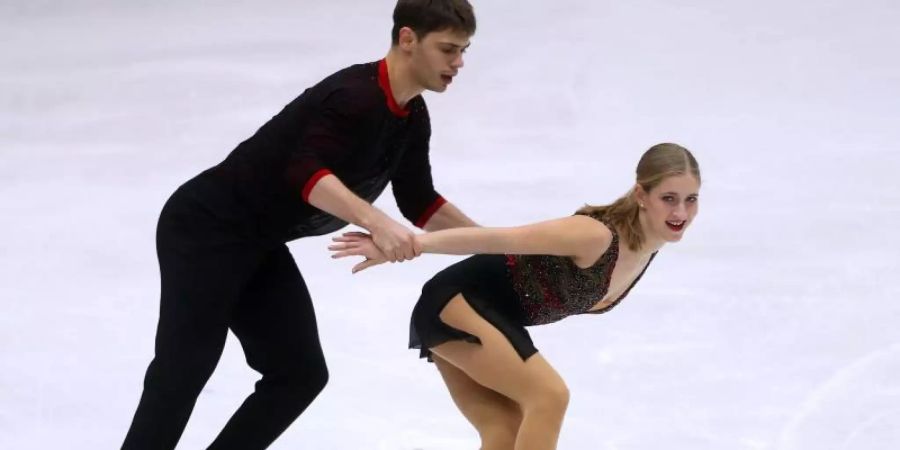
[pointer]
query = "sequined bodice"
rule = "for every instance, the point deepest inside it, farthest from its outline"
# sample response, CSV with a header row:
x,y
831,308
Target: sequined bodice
x,y
554,287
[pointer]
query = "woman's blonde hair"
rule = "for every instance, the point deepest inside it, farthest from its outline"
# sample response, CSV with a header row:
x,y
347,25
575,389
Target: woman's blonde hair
x,y
658,163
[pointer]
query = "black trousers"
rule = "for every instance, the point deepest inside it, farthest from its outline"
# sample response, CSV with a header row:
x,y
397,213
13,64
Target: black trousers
x,y
216,275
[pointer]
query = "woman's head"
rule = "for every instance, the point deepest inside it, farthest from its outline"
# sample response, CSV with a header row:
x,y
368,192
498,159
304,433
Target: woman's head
x,y
663,201
668,181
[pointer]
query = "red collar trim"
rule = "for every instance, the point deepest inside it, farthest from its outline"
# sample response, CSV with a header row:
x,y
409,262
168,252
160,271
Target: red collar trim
x,y
385,84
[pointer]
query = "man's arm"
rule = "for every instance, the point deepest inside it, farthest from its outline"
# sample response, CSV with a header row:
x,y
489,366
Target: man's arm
x,y
448,216
330,195
413,186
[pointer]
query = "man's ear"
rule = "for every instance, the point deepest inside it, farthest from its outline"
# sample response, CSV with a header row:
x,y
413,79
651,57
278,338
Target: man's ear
x,y
407,38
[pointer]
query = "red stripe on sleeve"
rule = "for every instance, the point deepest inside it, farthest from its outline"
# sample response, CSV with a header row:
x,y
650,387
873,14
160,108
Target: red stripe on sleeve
x,y
426,216
311,183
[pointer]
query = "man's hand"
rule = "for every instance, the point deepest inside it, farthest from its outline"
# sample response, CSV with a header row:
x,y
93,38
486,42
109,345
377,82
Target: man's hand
x,y
357,244
395,241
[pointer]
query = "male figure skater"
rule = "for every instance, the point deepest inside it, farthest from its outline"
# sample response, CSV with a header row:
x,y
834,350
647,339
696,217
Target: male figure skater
x,y
310,170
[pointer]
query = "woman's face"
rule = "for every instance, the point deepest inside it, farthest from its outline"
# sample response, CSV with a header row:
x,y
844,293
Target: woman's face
x,y
670,207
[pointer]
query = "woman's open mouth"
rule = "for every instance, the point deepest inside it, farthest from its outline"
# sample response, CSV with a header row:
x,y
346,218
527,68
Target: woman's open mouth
x,y
675,225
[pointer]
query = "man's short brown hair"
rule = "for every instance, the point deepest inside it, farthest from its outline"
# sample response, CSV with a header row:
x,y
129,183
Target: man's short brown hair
x,y
426,16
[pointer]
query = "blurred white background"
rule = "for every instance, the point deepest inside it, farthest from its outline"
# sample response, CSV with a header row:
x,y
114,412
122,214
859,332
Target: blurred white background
x,y
772,326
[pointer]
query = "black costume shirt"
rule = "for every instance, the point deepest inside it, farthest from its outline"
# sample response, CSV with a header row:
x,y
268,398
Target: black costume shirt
x,y
348,125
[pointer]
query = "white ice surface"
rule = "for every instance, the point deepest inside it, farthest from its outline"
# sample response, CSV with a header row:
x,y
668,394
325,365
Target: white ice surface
x,y
772,326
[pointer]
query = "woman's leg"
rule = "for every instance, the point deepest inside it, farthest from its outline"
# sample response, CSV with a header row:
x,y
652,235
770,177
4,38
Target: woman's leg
x,y
533,384
495,416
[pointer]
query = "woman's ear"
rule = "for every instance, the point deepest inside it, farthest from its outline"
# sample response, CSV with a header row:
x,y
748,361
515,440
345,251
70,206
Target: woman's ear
x,y
640,195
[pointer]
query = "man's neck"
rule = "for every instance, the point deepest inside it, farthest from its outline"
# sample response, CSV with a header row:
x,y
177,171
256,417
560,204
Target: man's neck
x,y
403,85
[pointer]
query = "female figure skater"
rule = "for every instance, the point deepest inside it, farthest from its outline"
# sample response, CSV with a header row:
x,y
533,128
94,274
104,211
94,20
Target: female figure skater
x,y
471,317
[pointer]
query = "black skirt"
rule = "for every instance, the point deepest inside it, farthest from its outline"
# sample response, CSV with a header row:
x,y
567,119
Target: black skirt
x,y
484,283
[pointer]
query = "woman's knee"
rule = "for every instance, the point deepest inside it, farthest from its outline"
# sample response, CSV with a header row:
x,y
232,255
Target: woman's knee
x,y
549,398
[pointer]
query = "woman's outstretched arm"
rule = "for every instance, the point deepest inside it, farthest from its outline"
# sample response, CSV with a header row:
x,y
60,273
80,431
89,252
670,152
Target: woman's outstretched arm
x,y
573,236
579,237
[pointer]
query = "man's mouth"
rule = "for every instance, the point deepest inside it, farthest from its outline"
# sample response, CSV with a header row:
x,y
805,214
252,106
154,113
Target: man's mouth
x,y
675,225
447,78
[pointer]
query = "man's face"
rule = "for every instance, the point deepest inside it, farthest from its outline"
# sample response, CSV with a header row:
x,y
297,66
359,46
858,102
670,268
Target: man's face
x,y
437,58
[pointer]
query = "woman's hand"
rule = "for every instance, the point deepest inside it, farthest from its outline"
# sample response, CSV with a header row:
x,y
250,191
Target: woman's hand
x,y
356,243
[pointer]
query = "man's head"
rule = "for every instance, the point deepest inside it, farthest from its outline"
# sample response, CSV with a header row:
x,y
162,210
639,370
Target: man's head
x,y
427,16
434,34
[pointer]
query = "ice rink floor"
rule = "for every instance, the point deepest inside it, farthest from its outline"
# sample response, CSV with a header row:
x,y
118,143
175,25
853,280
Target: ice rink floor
x,y
772,326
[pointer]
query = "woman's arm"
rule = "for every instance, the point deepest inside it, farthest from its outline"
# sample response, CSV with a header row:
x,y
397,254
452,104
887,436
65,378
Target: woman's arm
x,y
580,237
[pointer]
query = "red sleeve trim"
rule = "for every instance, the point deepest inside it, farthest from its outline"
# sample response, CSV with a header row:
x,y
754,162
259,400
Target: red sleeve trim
x,y
426,216
311,183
